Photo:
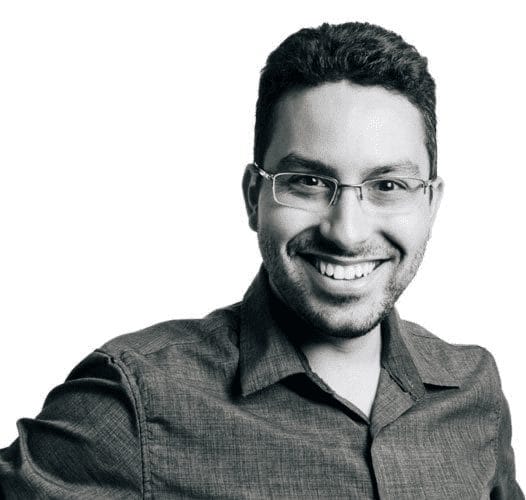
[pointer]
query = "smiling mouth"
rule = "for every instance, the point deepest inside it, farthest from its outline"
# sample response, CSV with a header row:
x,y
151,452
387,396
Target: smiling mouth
x,y
347,272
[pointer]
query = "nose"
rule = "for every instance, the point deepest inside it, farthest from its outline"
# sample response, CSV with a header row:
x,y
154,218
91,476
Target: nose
x,y
345,223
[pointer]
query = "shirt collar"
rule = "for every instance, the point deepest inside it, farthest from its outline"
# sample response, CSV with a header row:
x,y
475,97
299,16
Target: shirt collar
x,y
396,358
430,355
409,363
267,354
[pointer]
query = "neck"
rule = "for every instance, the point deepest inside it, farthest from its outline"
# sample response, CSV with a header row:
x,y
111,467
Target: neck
x,y
363,349
350,367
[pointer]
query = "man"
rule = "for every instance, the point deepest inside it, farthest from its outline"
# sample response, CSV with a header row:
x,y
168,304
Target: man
x,y
312,387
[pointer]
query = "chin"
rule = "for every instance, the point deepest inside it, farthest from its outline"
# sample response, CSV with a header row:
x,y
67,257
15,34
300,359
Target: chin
x,y
341,317
342,320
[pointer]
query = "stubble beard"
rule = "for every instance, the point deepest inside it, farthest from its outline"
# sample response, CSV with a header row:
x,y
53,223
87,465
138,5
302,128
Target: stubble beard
x,y
342,317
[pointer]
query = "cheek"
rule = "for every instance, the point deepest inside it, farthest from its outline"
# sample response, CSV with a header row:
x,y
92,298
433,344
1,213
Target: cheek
x,y
409,233
280,223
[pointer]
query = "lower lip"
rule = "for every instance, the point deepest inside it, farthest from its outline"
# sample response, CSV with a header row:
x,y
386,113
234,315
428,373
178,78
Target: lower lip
x,y
341,287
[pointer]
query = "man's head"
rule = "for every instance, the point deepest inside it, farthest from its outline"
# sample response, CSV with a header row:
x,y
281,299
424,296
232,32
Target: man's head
x,y
353,102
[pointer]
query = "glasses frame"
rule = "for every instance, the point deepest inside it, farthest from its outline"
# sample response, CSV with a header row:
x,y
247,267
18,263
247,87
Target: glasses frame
x,y
338,185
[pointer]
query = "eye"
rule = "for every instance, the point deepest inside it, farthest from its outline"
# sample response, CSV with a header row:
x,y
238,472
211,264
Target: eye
x,y
310,181
387,185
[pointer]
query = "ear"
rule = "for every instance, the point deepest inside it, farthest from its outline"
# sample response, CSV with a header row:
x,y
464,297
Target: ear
x,y
437,191
251,186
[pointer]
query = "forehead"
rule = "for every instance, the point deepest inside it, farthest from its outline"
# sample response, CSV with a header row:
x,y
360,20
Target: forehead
x,y
350,127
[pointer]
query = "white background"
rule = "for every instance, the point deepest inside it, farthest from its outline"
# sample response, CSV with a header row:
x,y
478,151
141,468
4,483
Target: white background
x,y
124,130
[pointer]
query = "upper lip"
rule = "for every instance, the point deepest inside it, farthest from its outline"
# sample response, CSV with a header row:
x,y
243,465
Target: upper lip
x,y
343,261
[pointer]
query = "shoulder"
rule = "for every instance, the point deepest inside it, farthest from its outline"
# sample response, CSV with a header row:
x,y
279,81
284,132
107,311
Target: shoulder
x,y
178,342
439,361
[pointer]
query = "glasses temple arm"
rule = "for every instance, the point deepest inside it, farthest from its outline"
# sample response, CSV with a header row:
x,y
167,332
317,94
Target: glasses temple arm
x,y
261,172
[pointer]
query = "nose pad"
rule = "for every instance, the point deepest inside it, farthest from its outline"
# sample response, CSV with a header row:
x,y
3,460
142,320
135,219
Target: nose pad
x,y
346,224
358,188
360,192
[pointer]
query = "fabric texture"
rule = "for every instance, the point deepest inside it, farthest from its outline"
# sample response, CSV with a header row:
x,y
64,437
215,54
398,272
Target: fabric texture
x,y
227,407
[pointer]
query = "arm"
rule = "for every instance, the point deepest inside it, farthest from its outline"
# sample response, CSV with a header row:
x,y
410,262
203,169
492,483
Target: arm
x,y
85,443
505,486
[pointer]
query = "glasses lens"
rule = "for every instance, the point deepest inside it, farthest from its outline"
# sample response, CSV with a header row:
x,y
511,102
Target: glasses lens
x,y
394,194
305,191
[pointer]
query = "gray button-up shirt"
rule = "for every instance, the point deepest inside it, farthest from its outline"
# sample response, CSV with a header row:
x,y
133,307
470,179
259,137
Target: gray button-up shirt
x,y
227,407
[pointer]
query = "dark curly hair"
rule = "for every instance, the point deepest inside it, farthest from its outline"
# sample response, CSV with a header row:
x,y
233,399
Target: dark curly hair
x,y
362,53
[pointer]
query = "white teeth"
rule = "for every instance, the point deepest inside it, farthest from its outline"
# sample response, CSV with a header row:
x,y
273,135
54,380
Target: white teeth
x,y
349,273
359,271
339,272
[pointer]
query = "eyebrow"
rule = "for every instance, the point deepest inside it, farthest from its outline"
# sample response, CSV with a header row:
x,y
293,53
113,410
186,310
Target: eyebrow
x,y
405,168
295,161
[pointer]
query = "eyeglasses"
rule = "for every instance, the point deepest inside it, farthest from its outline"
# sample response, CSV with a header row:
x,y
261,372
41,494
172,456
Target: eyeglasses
x,y
316,193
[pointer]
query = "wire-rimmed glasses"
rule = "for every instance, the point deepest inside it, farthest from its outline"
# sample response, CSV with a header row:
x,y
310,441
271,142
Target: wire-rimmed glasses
x,y
316,193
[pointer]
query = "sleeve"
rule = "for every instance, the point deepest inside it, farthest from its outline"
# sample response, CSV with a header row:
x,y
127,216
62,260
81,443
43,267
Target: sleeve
x,y
505,486
86,442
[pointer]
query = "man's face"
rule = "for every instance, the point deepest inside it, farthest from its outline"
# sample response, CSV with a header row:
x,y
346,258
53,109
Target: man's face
x,y
353,133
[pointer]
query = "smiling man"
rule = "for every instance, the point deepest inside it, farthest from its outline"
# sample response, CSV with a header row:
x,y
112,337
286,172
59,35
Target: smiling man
x,y
341,257
344,219
312,386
